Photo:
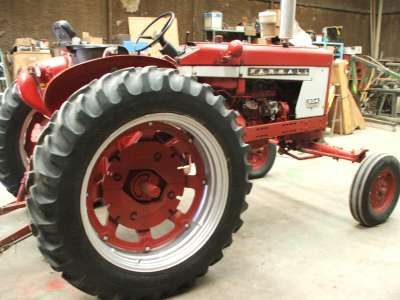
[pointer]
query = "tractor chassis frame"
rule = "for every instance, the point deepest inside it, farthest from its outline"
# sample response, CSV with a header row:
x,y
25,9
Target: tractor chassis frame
x,y
25,231
291,136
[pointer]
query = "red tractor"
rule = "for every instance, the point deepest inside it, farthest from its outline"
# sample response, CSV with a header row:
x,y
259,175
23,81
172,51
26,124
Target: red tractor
x,y
137,167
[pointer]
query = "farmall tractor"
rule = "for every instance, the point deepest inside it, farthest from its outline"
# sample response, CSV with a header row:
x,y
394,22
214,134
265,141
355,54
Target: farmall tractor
x,y
136,168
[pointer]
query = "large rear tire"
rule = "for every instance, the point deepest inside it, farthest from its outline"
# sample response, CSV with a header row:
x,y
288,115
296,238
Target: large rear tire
x,y
17,121
126,147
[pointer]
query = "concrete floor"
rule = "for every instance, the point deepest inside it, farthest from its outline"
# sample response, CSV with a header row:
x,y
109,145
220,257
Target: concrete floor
x,y
299,241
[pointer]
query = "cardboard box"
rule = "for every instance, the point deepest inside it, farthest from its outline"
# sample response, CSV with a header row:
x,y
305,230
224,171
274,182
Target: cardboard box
x,y
213,20
261,41
27,42
120,38
250,30
26,58
86,37
269,30
268,17
270,23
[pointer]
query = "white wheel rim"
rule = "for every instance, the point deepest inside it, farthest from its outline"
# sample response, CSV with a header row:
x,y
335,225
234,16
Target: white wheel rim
x,y
206,220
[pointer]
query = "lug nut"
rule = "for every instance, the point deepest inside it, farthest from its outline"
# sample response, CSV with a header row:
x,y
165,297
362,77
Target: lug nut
x,y
157,156
105,238
171,195
147,249
133,216
117,176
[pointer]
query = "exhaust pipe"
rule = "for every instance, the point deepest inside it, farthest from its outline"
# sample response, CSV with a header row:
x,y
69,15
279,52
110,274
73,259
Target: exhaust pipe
x,y
288,16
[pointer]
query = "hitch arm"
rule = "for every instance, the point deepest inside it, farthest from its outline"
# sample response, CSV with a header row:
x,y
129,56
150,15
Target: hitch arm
x,y
15,238
335,152
25,231
318,150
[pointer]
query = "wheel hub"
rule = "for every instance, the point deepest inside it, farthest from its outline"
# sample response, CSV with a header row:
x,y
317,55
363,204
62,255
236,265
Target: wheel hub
x,y
146,186
258,156
382,191
140,179
142,201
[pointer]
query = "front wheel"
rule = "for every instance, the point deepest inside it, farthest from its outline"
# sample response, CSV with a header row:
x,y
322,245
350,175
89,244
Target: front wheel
x,y
138,185
261,159
375,189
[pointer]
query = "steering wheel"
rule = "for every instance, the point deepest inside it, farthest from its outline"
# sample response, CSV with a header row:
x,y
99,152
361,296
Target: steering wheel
x,y
158,36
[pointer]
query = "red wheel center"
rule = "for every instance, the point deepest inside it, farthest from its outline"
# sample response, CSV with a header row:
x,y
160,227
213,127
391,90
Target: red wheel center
x,y
32,131
140,178
382,191
258,156
143,200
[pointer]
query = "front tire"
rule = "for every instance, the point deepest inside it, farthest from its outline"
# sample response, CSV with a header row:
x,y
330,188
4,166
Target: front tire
x,y
127,145
375,189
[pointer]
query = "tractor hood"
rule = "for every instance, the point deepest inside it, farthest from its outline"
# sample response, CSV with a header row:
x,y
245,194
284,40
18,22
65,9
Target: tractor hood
x,y
236,53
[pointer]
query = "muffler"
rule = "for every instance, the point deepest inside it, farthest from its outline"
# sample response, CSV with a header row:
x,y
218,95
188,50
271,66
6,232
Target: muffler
x,y
288,16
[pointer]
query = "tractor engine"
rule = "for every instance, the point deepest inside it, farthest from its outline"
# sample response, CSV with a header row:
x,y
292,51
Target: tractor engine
x,y
264,110
260,101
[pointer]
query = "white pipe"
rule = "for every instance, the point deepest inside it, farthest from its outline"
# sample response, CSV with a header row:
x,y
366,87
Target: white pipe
x,y
288,16
378,30
372,26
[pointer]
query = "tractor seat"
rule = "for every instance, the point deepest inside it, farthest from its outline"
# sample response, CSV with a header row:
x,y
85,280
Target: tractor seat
x,y
66,37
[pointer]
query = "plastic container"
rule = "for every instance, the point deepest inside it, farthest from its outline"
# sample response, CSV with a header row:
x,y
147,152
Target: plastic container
x,y
268,23
213,20
268,17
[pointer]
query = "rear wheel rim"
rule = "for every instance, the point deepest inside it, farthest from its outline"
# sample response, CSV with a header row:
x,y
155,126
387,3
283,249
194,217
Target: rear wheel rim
x,y
258,157
29,134
148,192
383,190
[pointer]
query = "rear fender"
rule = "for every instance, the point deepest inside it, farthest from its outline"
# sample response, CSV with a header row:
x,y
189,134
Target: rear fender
x,y
67,82
30,81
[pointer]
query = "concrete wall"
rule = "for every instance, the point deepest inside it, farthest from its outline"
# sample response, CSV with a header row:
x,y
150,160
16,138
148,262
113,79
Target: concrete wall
x,y
29,18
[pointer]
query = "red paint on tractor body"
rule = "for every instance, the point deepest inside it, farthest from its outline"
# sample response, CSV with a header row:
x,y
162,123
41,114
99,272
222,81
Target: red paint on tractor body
x,y
32,81
47,85
66,83
212,54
